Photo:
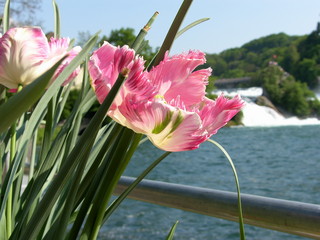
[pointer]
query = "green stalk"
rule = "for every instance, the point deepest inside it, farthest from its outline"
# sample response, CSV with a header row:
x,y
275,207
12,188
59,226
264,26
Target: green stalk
x,y
123,195
6,16
91,176
33,155
171,35
69,202
47,131
9,201
93,179
241,223
78,154
172,230
143,32
2,94
191,25
9,218
56,19
118,163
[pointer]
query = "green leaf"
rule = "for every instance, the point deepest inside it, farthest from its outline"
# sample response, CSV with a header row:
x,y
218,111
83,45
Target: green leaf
x,y
3,229
53,159
241,223
37,114
143,32
168,41
2,94
119,156
191,25
93,176
172,231
23,100
13,109
6,16
79,153
56,19
123,195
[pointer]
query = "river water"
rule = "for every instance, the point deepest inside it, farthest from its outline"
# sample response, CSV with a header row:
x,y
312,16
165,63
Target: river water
x,y
279,161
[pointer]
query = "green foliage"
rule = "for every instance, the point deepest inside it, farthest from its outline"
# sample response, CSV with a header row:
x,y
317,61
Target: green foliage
x,y
123,36
285,66
297,55
290,59
218,64
294,98
310,46
272,41
272,79
286,93
307,71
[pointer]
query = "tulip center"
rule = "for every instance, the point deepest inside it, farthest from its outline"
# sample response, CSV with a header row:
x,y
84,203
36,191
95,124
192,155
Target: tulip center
x,y
160,97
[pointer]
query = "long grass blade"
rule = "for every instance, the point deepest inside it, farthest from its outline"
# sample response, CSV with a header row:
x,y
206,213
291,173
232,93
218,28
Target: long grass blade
x,y
118,201
168,41
191,25
241,223
13,109
78,154
172,231
6,16
143,32
47,96
56,19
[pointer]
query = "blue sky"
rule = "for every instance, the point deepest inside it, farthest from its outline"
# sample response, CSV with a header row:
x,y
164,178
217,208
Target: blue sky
x,y
232,22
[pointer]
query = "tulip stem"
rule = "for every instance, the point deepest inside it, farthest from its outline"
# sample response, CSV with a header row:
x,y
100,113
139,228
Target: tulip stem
x,y
123,195
9,201
9,219
241,223
143,32
171,35
120,157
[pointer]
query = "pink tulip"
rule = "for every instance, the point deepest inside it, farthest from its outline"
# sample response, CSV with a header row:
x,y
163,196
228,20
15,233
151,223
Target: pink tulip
x,y
25,54
108,62
168,104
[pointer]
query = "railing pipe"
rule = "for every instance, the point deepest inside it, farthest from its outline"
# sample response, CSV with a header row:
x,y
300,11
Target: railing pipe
x,y
292,217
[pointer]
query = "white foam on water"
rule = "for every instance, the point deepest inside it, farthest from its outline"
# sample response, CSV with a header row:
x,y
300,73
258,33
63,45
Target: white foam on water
x,y
256,116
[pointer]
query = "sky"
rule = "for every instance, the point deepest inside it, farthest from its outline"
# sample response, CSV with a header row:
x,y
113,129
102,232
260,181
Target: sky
x,y
232,22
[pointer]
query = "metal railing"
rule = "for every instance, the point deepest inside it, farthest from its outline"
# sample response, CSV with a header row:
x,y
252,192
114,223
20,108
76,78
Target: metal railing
x,y
286,216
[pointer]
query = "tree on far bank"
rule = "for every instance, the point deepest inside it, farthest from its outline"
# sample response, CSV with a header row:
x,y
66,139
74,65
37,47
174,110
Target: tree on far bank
x,y
286,93
308,71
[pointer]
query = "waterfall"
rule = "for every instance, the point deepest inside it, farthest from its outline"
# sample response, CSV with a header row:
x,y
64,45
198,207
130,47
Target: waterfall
x,y
255,115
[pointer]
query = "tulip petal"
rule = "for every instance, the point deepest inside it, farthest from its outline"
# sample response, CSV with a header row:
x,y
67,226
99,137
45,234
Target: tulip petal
x,y
167,127
22,50
105,65
216,114
175,77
